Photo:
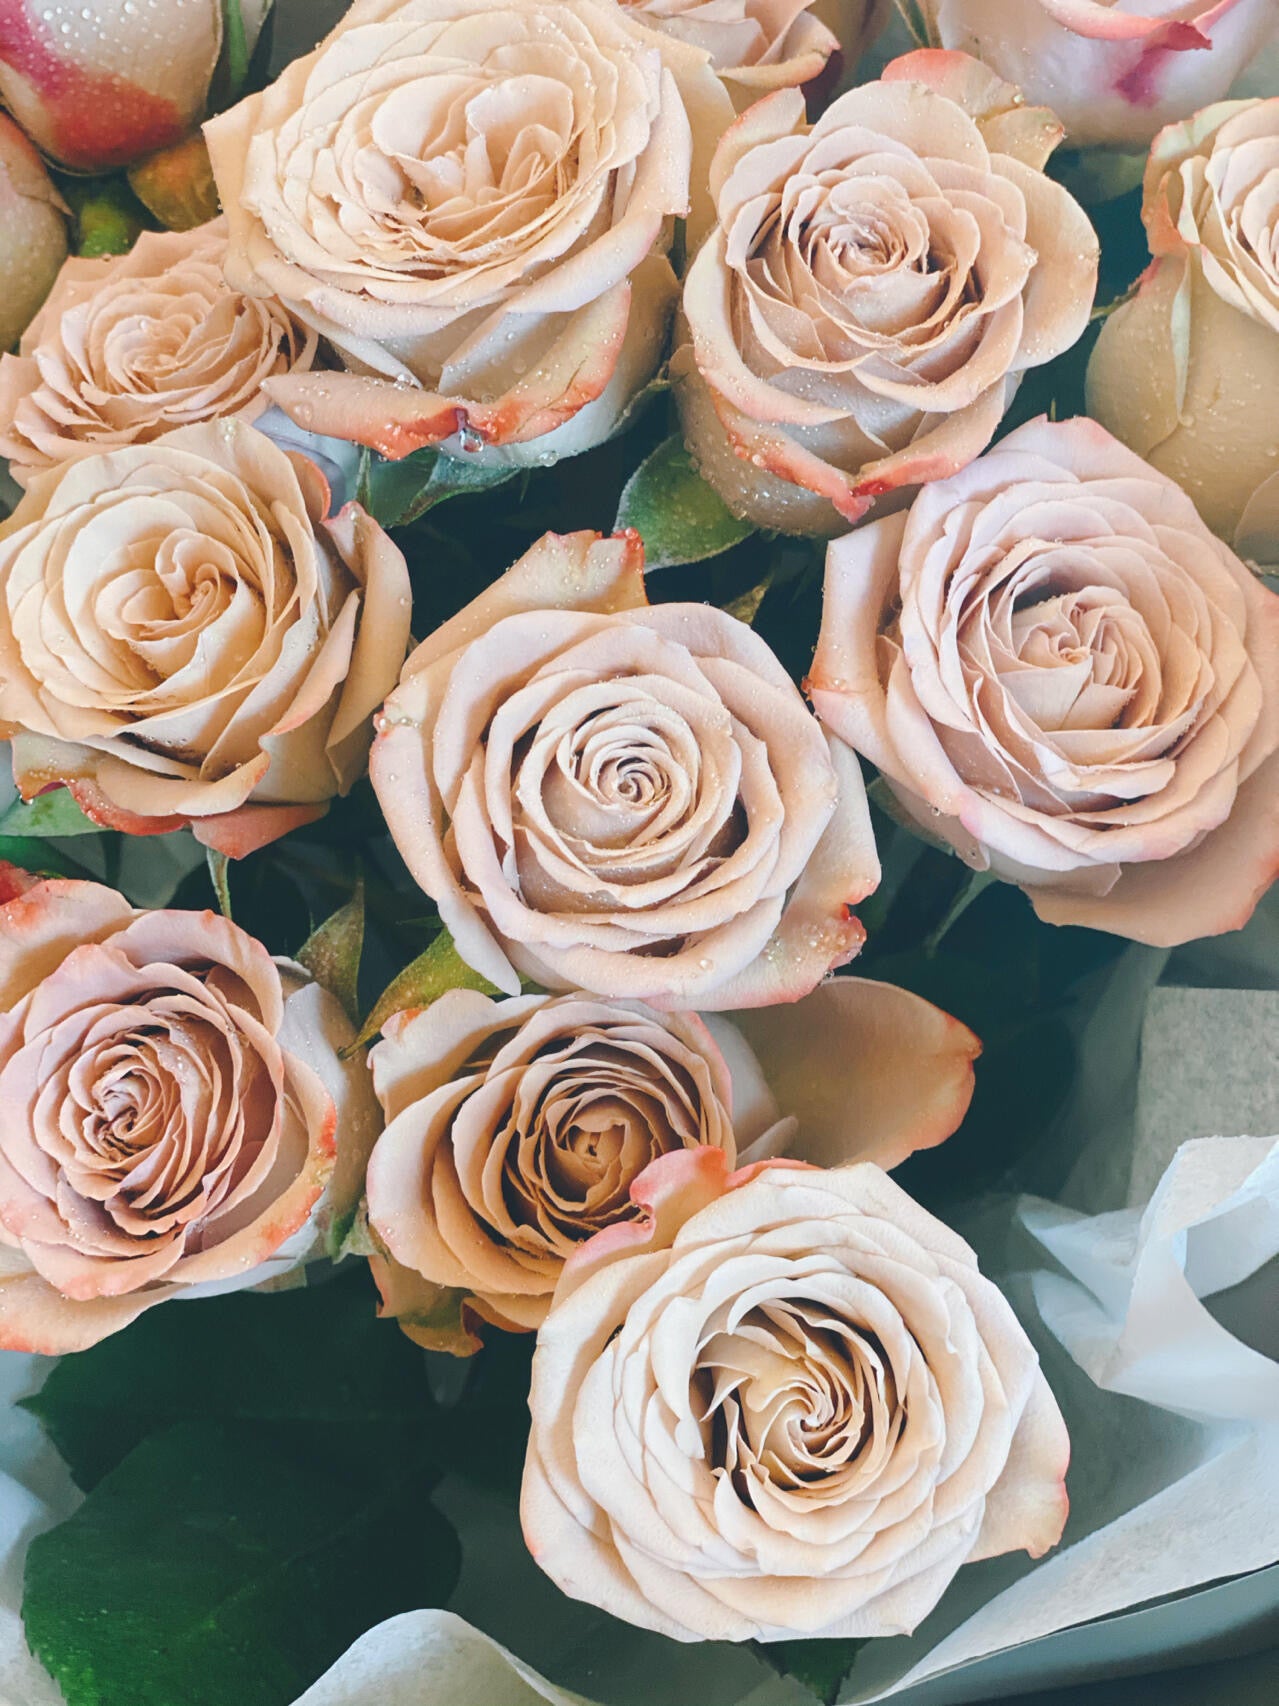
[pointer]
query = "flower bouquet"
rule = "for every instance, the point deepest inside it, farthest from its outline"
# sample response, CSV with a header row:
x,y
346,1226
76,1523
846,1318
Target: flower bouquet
x,y
637,982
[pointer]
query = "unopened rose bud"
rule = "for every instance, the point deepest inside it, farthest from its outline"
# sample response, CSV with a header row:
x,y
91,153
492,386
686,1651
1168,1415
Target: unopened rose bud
x,y
33,233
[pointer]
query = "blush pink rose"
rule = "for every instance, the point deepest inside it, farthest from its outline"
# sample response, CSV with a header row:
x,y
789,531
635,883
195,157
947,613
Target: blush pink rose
x,y
628,800
177,1120
1183,372
1061,672
786,1405
472,201
97,86
516,1129
33,233
187,637
128,347
1113,70
875,288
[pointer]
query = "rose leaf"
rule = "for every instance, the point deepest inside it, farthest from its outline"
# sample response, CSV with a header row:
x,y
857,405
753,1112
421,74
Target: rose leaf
x,y
50,815
430,975
315,1364
820,1665
214,1565
398,493
332,952
677,515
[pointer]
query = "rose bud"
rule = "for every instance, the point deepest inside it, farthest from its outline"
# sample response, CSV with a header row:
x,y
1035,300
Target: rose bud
x,y
473,204
758,45
515,1129
98,85
1184,372
1060,672
177,1120
785,1404
128,347
186,638
625,800
33,233
876,286
1113,70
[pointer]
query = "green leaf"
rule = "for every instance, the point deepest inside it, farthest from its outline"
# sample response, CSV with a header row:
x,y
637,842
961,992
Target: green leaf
x,y
214,1566
678,516
332,952
235,46
219,876
50,815
820,1665
316,1364
109,217
431,974
397,493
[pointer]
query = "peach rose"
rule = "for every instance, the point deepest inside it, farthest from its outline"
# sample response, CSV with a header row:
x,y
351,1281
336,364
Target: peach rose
x,y
33,233
185,638
1114,70
1185,372
130,346
472,200
875,288
626,800
1060,672
758,45
515,1129
788,1405
98,86
177,1121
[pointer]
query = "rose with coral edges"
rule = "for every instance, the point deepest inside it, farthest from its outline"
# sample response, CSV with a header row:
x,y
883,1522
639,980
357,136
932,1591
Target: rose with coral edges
x,y
515,1129
33,233
99,86
874,290
788,1405
1113,70
129,347
1062,673
1185,373
472,200
177,1119
625,800
185,638
758,45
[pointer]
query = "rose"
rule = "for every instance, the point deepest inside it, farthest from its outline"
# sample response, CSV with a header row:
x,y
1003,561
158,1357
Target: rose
x,y
472,201
1114,70
1182,371
129,346
789,1405
98,86
1060,672
874,290
33,233
185,638
629,801
757,45
515,1129
176,1117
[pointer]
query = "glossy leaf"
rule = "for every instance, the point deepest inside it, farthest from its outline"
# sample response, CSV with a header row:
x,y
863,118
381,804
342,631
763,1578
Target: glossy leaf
x,y
677,515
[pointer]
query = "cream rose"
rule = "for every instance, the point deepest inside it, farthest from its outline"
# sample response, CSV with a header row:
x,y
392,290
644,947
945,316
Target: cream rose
x,y
1062,673
98,86
130,346
789,1405
626,800
185,638
472,201
1114,70
875,288
1185,372
758,45
515,1129
177,1121
33,233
